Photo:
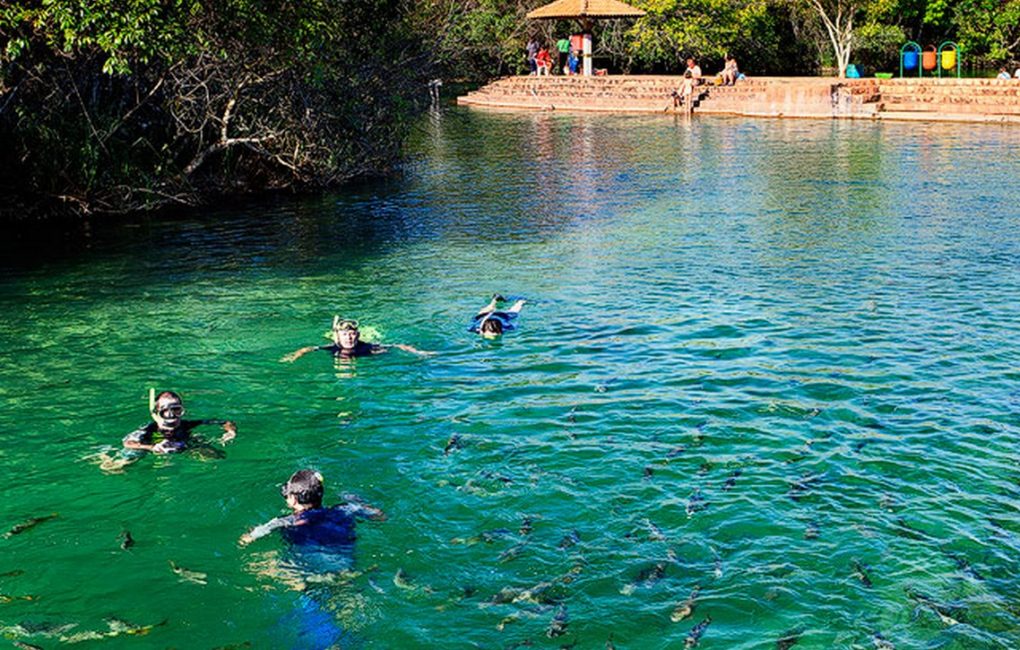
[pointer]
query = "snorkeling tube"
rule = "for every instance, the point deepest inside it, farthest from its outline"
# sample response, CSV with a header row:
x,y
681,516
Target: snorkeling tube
x,y
152,399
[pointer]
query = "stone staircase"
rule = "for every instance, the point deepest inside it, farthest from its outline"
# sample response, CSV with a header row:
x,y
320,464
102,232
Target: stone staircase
x,y
951,99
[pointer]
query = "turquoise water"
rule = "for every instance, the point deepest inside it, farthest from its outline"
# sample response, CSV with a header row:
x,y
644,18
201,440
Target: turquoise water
x,y
771,360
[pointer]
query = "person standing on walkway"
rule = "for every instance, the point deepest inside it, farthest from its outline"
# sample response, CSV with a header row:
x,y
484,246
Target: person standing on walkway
x,y
532,50
563,47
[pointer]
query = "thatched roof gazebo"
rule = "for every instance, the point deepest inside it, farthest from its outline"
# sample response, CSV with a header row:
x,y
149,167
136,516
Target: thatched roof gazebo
x,y
585,11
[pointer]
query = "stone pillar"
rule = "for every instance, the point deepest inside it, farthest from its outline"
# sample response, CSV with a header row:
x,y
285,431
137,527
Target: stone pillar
x,y
587,54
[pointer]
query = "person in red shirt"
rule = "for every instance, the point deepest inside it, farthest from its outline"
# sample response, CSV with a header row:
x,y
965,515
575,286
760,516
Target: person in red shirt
x,y
543,61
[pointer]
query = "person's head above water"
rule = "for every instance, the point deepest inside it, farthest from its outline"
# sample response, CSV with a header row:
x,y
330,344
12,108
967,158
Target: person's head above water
x,y
345,333
303,490
491,328
167,410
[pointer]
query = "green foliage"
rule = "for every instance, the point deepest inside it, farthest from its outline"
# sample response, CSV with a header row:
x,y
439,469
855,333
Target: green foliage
x,y
109,106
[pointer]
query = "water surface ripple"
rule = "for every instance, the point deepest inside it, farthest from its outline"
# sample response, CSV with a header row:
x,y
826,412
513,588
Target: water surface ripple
x,y
771,361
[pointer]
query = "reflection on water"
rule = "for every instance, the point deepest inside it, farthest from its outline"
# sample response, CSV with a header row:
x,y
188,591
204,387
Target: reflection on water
x,y
766,375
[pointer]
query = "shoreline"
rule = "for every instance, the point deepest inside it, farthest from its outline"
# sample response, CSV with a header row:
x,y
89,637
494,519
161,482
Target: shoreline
x,y
990,101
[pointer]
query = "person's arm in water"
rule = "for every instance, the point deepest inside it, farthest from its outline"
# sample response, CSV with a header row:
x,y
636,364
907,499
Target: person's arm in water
x,y
229,429
297,354
141,440
358,507
262,530
411,349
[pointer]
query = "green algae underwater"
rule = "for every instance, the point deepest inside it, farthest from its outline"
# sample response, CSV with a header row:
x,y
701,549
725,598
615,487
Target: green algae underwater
x,y
764,394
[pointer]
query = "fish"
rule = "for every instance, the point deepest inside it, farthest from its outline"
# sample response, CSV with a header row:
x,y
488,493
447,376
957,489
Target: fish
x,y
537,594
675,451
558,625
526,526
945,614
696,632
654,532
488,537
788,640
686,607
116,627
695,502
5,598
512,552
648,472
802,487
451,444
402,580
12,574
881,643
964,566
28,524
903,529
126,541
25,646
647,577
196,577
570,539
704,468
861,573
732,480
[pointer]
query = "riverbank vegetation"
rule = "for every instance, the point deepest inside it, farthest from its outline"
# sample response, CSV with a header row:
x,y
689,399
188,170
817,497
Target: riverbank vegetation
x,y
112,107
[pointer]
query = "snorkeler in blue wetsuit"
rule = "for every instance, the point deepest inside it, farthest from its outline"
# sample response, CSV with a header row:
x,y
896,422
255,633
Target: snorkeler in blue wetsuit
x,y
491,323
321,541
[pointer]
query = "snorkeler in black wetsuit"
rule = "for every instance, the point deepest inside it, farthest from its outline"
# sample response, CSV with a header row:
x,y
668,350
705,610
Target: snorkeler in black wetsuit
x,y
491,323
168,433
347,343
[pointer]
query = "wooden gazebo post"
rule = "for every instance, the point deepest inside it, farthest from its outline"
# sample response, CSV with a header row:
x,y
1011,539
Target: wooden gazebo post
x,y
585,12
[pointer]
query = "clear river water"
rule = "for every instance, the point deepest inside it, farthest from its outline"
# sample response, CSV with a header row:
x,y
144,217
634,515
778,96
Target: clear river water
x,y
765,393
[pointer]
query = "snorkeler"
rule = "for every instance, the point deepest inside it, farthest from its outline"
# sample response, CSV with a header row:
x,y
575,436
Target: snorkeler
x,y
168,433
347,343
491,323
309,524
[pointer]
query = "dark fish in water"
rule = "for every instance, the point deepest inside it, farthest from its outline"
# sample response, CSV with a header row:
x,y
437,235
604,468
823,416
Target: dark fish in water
x,y
512,552
12,574
526,526
675,451
487,536
788,640
647,577
696,632
695,502
649,471
126,541
946,614
686,607
17,529
451,444
881,643
963,565
802,487
903,529
570,539
558,625
704,468
732,480
26,646
861,573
